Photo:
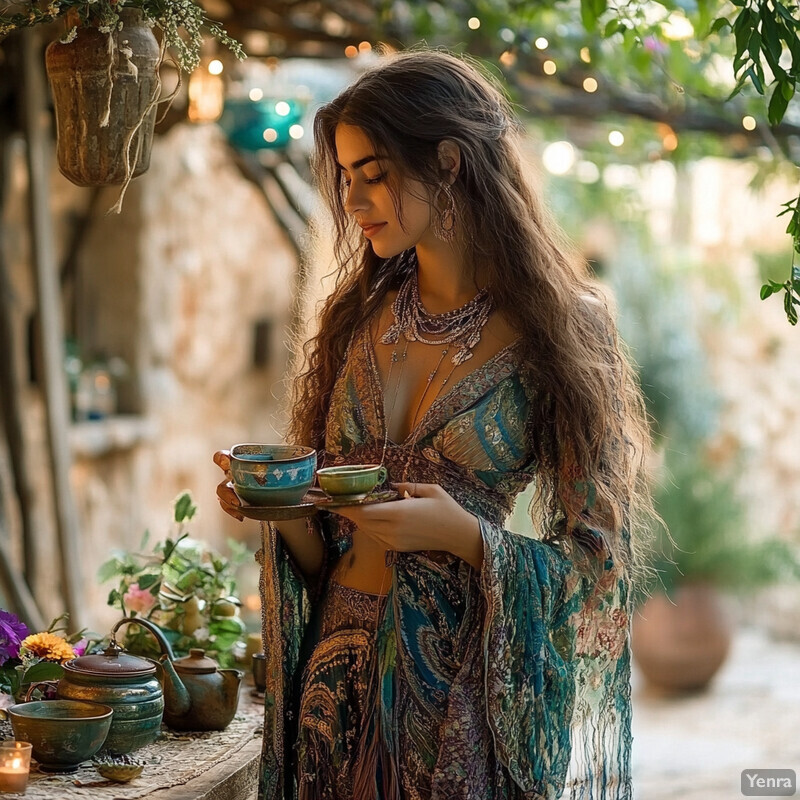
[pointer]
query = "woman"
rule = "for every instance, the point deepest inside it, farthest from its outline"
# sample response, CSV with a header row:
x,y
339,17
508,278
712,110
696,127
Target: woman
x,y
417,648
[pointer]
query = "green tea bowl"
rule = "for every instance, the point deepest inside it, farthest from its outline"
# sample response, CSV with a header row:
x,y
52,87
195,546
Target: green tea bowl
x,y
62,733
350,481
272,474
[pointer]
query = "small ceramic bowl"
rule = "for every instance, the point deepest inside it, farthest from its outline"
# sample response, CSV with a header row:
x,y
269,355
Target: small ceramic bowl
x,y
272,474
118,768
63,733
351,481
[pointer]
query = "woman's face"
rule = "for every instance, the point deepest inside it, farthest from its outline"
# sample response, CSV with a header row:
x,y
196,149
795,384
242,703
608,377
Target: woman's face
x,y
366,195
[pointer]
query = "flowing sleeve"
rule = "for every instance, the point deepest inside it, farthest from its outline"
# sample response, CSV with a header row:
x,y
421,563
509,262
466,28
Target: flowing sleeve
x,y
556,660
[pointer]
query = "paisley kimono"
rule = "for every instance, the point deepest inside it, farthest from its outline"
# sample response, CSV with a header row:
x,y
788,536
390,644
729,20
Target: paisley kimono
x,y
507,683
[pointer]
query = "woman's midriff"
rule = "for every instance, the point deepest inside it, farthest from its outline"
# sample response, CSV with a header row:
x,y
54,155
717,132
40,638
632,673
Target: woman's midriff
x,y
363,567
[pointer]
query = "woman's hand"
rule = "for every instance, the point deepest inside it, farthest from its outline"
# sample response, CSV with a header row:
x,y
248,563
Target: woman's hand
x,y
228,499
427,519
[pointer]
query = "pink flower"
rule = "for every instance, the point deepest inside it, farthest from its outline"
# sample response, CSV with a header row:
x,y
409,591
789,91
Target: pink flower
x,y
654,45
139,600
80,646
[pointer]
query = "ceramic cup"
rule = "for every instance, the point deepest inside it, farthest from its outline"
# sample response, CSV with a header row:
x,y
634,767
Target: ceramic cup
x,y
63,733
272,474
350,481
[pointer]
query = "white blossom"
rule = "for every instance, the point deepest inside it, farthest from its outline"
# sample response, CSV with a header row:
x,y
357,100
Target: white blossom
x,y
70,36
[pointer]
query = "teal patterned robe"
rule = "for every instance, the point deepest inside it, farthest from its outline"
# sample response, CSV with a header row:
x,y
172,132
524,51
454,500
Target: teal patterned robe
x,y
529,658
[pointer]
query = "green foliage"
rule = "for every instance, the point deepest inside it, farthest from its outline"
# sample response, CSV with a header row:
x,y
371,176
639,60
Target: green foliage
x,y
172,17
184,587
705,519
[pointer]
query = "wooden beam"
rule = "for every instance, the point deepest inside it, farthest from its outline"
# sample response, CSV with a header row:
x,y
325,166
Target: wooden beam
x,y
11,401
36,124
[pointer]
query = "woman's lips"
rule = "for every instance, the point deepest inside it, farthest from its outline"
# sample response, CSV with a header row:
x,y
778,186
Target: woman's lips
x,y
371,230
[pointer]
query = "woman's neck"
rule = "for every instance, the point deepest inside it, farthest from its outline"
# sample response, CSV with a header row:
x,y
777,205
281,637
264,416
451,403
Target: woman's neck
x,y
445,280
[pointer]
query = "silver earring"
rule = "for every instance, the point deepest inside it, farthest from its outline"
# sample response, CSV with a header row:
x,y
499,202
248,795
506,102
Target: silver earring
x,y
444,222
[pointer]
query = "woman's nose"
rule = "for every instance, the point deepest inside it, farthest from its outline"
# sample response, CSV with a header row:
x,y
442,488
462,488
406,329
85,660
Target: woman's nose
x,y
355,199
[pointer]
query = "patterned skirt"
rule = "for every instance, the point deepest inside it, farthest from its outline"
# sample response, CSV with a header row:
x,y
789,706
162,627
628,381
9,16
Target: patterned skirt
x,y
337,744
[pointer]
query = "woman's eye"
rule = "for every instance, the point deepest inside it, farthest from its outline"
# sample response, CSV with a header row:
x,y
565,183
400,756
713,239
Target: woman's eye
x,y
376,179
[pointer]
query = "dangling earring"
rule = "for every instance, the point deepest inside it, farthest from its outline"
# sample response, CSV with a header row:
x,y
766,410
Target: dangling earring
x,y
444,222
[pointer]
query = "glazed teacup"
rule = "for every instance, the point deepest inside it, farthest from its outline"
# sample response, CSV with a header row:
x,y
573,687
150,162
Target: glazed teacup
x,y
350,481
272,474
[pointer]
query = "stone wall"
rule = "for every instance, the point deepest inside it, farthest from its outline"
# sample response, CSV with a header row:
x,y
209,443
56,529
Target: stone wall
x,y
175,285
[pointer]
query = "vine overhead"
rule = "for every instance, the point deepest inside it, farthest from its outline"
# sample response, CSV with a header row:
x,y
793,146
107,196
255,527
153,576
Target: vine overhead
x,y
724,68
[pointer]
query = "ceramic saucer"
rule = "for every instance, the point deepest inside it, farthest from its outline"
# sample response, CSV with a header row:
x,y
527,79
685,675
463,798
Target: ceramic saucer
x,y
324,501
305,508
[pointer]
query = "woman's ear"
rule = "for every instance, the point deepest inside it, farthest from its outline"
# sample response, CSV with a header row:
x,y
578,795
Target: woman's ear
x,y
449,158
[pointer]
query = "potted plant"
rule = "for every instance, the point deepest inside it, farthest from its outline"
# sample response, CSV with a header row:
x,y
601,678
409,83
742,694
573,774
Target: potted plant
x,y
104,75
184,587
681,633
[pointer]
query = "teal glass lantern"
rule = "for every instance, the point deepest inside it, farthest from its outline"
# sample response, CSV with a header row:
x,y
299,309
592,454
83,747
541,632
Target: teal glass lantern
x,y
260,124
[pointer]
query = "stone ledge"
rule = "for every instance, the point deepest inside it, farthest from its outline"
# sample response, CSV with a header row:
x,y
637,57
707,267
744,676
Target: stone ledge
x,y
96,438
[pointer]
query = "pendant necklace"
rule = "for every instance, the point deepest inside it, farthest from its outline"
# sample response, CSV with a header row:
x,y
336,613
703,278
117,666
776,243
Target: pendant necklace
x,y
461,328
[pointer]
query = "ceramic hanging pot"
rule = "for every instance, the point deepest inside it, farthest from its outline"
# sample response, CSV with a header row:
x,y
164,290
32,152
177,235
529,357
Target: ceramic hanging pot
x,y
103,86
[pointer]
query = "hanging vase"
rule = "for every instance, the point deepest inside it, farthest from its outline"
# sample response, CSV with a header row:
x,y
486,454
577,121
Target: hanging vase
x,y
104,85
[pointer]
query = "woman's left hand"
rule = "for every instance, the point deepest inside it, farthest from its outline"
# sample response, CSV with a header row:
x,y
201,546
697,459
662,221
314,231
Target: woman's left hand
x,y
428,519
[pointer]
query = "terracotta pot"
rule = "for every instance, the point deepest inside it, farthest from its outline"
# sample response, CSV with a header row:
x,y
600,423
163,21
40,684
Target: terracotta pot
x,y
680,643
91,153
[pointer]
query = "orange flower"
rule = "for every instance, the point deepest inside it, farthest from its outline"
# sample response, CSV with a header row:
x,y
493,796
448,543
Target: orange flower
x,y
48,646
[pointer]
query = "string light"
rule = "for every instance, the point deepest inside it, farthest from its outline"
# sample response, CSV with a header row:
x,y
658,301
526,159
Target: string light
x,y
558,158
508,59
296,131
670,142
215,67
549,67
586,56
616,139
473,23
364,47
589,85
351,51
749,123
541,43
255,94
282,108
270,135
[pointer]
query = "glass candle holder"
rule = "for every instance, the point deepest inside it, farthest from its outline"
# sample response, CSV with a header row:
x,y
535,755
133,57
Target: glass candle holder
x,y
15,764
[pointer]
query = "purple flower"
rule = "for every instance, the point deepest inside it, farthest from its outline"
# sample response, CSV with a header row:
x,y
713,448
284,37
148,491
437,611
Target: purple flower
x,y
654,45
12,632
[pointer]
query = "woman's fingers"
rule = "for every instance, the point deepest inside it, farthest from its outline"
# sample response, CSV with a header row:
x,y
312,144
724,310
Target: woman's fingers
x,y
410,489
229,500
222,458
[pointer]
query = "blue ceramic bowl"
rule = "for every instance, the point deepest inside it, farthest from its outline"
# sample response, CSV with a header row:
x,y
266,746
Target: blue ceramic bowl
x,y
272,474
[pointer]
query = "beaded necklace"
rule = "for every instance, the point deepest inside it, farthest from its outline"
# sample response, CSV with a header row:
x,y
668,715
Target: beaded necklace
x,y
461,327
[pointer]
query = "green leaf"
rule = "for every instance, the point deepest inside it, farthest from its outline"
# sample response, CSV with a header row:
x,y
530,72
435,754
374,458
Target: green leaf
x,y
43,671
777,105
145,539
787,87
109,569
788,307
113,597
588,16
718,25
766,291
184,507
146,581
769,30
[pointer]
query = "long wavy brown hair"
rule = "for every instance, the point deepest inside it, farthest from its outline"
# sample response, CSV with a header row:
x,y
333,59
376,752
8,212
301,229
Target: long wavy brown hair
x,y
590,425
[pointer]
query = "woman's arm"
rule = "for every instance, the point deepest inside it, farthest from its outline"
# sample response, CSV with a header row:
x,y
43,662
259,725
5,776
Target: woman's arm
x,y
304,542
302,538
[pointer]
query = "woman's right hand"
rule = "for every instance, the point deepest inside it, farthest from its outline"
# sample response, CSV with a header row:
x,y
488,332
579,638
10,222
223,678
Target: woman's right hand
x,y
228,499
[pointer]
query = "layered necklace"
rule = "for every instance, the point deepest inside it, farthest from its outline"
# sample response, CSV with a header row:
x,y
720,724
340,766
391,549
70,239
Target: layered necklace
x,y
460,328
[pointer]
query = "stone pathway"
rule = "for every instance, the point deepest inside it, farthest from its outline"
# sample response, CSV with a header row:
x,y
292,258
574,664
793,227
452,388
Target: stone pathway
x,y
695,748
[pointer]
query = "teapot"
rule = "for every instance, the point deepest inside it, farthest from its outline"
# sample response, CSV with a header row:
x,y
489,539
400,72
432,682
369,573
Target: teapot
x,y
198,695
126,683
